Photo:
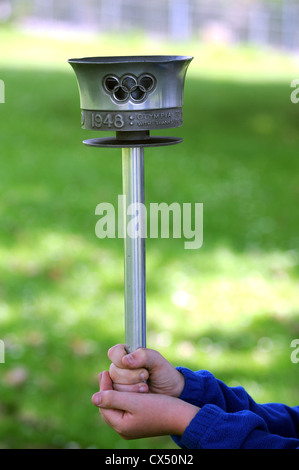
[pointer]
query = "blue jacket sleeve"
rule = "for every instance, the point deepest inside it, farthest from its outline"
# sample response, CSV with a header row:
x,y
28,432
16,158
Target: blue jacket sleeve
x,y
202,388
213,428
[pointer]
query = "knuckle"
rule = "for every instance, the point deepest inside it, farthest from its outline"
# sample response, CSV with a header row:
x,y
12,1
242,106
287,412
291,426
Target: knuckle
x,y
112,350
116,353
112,372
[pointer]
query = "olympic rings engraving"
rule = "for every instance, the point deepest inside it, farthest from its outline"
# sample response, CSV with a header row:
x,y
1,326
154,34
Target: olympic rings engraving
x,y
129,87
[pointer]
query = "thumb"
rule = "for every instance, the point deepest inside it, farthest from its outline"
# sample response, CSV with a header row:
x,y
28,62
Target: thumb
x,y
105,385
143,358
113,400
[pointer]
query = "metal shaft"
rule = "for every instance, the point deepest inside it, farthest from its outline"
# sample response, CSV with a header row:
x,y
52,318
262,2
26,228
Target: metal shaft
x,y
134,248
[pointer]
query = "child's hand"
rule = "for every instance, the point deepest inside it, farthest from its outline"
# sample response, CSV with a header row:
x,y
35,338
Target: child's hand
x,y
129,372
137,415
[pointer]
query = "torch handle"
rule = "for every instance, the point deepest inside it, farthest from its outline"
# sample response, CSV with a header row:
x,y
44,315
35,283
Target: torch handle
x,y
134,247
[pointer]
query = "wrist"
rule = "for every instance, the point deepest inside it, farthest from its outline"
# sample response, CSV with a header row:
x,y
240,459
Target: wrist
x,y
180,384
186,414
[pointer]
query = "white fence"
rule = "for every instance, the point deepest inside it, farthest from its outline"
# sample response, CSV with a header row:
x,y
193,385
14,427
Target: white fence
x,y
266,22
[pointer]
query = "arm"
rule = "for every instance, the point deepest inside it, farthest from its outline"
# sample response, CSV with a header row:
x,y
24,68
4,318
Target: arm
x,y
136,415
197,388
213,428
203,388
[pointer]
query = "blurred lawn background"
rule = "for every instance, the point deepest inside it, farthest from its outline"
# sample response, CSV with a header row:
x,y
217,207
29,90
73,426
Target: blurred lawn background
x,y
231,307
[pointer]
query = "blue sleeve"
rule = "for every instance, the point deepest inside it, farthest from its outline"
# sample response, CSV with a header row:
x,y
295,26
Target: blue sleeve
x,y
202,388
213,428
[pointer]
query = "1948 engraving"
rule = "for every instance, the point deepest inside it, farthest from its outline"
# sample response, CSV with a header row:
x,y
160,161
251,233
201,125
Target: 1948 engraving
x,y
132,120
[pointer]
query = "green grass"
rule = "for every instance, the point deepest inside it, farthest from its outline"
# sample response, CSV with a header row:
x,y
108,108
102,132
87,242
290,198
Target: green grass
x,y
231,307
